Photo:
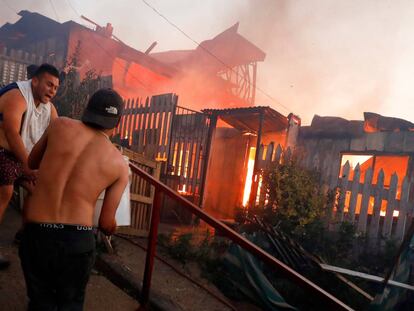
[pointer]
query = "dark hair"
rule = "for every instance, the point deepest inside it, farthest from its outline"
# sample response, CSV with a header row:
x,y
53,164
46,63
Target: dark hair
x,y
31,70
46,68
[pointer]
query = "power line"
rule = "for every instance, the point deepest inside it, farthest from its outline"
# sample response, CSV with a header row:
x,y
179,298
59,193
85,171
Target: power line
x,y
54,10
10,7
213,55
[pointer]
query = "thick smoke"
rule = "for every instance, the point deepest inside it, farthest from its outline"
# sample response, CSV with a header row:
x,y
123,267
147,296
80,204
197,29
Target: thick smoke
x,y
323,57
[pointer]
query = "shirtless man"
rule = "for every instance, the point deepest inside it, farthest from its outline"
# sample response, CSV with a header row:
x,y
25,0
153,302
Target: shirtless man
x,y
76,162
25,112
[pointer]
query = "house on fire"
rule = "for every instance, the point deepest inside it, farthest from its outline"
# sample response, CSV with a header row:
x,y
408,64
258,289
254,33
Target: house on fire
x,y
211,139
370,165
377,141
218,76
202,80
209,156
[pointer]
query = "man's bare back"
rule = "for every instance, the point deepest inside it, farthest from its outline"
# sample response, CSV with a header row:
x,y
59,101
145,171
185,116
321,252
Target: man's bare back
x,y
77,163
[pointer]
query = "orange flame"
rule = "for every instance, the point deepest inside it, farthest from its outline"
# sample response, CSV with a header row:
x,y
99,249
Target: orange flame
x,y
249,176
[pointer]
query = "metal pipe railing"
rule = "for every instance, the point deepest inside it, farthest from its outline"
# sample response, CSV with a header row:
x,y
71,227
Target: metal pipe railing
x,y
331,301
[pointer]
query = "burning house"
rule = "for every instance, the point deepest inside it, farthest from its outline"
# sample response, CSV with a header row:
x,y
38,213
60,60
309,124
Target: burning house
x,y
377,141
209,156
219,73
207,144
370,165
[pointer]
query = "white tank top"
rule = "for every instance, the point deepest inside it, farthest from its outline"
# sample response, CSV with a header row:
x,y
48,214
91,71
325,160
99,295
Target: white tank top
x,y
36,119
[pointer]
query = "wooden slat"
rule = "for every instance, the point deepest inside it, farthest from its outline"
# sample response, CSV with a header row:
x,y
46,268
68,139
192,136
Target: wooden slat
x,y
144,123
278,154
366,193
163,128
386,230
379,187
139,126
123,119
260,164
186,139
134,117
287,155
403,210
126,116
190,166
197,162
342,189
269,154
140,198
139,158
354,194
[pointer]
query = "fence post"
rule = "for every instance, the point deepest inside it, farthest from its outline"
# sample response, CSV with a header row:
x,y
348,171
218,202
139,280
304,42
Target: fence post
x,y
402,217
354,194
366,194
376,212
387,228
342,192
152,244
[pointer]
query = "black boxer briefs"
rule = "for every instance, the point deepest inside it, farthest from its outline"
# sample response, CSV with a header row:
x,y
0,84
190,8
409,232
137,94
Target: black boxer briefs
x,y
57,260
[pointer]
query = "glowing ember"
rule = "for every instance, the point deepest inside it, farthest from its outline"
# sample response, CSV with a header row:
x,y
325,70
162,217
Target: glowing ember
x,y
248,183
183,190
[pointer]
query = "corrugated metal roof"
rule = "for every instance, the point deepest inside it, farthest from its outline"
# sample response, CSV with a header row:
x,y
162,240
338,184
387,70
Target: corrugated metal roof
x,y
247,119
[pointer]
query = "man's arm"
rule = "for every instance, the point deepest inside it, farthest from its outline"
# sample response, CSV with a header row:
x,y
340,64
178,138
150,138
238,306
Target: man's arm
x,y
53,112
113,193
36,155
38,150
14,106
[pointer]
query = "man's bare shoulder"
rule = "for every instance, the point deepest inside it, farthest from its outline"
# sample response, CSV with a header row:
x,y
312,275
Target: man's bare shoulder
x,y
64,122
120,161
13,97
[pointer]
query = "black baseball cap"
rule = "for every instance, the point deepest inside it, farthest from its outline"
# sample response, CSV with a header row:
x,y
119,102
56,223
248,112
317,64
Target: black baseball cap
x,y
104,109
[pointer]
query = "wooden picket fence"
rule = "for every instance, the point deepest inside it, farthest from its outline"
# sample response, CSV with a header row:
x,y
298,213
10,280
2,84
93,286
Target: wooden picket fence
x,y
269,157
145,125
383,211
377,210
161,130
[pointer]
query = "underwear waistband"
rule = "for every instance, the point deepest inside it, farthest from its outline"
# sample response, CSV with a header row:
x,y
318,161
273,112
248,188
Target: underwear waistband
x,y
57,227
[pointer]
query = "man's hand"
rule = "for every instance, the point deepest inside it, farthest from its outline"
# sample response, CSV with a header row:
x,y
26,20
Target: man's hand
x,y
29,179
29,173
108,231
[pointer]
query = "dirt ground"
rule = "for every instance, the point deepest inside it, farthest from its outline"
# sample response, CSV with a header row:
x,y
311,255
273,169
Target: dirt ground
x,y
169,283
166,281
100,295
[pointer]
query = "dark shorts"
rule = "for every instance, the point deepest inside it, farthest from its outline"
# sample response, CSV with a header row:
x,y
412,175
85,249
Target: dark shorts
x,y
57,260
11,169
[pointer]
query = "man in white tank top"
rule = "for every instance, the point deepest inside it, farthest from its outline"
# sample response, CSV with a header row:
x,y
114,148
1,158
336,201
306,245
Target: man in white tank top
x,y
25,113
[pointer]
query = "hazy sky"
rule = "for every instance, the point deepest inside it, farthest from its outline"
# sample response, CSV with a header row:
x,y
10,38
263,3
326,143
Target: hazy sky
x,y
324,57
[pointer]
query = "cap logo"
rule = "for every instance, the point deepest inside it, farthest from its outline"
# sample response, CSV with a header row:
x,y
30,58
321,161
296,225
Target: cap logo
x,y
112,110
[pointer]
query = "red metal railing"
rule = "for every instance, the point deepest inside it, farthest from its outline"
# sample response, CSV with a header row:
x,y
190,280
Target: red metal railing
x,y
332,302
